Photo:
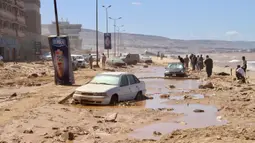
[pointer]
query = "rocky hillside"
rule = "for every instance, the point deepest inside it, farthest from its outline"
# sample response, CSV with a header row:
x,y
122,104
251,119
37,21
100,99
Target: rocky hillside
x,y
159,43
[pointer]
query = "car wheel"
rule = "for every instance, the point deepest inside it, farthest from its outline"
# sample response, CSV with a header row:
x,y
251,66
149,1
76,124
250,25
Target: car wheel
x,y
139,96
114,100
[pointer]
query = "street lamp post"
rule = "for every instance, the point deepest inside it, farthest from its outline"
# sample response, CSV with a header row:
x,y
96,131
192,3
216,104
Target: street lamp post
x,y
106,12
115,19
119,42
56,16
97,32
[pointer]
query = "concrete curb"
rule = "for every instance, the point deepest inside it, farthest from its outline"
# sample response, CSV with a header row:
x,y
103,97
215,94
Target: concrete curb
x,y
62,100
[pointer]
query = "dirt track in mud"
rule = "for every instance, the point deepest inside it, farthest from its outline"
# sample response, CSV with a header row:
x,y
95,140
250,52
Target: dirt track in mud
x,y
225,113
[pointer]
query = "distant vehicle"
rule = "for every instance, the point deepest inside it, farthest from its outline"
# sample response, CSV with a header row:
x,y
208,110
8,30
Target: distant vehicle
x,y
110,88
95,57
46,56
175,69
130,58
145,59
80,61
115,62
86,57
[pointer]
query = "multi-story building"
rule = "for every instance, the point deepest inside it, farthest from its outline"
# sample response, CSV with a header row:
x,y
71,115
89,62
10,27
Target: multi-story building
x,y
12,27
65,28
33,16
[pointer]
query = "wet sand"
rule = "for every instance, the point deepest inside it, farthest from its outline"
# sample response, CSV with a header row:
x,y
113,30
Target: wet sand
x,y
177,111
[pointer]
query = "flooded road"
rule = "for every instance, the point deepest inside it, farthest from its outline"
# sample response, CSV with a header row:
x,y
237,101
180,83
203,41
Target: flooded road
x,y
156,87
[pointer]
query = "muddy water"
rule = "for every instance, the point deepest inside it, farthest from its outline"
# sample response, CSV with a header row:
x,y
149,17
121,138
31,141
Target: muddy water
x,y
189,120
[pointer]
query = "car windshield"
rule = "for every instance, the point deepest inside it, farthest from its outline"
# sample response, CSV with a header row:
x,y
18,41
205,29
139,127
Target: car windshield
x,y
175,66
105,79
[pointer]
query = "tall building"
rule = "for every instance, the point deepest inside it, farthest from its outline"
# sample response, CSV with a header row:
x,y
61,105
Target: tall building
x,y
33,16
65,28
12,27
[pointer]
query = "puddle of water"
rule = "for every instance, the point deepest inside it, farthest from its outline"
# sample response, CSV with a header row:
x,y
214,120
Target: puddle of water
x,y
152,71
156,86
189,120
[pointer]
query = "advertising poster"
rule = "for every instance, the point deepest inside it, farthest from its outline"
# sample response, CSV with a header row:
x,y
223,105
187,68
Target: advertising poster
x,y
107,41
61,58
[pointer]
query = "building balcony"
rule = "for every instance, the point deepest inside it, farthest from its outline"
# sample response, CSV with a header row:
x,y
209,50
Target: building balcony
x,y
8,31
21,3
21,34
7,15
21,20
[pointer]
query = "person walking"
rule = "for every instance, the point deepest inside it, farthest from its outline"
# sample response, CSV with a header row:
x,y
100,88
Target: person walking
x,y
186,62
244,64
200,63
208,66
103,60
90,61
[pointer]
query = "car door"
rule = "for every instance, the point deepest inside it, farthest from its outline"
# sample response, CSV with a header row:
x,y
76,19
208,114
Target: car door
x,y
124,89
133,87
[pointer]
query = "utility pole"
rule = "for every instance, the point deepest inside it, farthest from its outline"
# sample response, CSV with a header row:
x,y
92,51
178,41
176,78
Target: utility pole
x,y
97,32
115,19
106,12
56,16
119,38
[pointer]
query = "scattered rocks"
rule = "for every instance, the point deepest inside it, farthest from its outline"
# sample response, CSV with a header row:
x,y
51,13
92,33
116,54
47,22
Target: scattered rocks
x,y
7,109
171,86
223,74
13,95
67,136
164,96
198,111
145,66
206,85
170,109
187,97
28,131
111,117
155,133
128,103
33,75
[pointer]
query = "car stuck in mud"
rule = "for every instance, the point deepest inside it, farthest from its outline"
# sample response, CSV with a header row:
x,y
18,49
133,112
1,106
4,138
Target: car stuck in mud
x,y
110,88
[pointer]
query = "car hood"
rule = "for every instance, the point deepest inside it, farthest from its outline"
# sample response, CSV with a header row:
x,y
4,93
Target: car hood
x,y
95,88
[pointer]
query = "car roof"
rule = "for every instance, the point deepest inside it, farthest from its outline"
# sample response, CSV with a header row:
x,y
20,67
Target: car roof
x,y
114,73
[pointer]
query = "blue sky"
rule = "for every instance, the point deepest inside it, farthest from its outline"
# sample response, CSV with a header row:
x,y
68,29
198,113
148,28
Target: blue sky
x,y
176,19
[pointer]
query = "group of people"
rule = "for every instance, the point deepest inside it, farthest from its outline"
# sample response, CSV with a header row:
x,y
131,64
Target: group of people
x,y
198,63
91,59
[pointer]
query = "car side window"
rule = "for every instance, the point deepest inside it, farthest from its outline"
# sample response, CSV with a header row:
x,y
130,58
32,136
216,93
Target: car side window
x,y
124,81
136,79
131,79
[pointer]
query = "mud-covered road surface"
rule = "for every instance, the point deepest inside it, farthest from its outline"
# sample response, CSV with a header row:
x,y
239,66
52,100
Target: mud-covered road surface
x,y
176,111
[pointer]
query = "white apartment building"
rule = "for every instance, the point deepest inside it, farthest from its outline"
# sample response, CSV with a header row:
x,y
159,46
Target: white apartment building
x,y
65,28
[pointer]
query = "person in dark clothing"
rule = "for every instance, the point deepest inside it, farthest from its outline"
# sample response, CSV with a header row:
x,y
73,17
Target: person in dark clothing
x,y
194,62
208,66
200,63
244,64
181,59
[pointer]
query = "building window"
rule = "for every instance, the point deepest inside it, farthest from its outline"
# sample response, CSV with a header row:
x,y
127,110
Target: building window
x,y
4,6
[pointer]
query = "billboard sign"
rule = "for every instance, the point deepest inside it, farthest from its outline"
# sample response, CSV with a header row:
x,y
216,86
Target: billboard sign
x,y
107,41
61,58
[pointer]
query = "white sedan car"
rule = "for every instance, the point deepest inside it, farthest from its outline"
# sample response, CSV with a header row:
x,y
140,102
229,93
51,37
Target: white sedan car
x,y
110,88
